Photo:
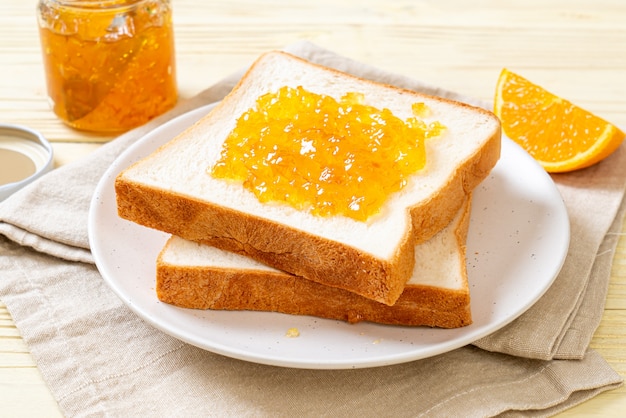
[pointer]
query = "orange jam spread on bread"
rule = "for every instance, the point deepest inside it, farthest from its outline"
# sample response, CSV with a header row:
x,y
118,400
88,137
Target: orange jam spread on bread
x,y
332,157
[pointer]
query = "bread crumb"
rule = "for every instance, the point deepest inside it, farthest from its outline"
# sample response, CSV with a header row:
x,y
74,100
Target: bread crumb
x,y
292,333
378,341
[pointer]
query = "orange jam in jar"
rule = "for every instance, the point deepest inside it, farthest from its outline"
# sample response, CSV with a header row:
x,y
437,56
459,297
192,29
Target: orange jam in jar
x,y
332,157
109,63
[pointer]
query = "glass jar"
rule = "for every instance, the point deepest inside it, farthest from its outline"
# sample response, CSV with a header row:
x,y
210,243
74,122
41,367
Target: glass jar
x,y
109,64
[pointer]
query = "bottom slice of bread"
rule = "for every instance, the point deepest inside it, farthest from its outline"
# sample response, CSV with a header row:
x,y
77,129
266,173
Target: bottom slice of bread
x,y
192,275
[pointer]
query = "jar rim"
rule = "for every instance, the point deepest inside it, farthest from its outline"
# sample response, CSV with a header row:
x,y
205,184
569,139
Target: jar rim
x,y
95,4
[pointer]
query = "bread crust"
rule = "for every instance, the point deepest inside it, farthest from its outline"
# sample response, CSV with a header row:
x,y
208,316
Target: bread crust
x,y
288,248
277,245
229,290
199,287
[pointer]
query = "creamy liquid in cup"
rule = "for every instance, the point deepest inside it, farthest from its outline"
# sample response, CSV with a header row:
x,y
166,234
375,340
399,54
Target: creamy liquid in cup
x,y
20,156
15,166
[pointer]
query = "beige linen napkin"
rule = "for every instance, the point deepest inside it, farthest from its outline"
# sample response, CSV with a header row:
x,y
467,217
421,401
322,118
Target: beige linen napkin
x,y
98,358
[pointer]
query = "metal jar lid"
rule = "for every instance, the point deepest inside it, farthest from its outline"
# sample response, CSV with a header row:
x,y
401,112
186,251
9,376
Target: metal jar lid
x,y
25,155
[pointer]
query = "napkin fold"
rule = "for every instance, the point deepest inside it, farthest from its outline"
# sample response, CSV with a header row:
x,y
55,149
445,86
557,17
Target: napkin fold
x,y
98,358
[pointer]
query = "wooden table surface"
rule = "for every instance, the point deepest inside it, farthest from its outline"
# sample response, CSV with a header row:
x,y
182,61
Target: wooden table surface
x,y
576,49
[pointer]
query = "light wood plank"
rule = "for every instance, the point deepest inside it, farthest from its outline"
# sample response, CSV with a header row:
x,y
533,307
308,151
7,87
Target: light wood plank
x,y
24,394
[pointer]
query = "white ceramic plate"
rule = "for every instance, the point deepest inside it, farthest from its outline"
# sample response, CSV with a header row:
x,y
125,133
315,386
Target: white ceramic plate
x,y
518,239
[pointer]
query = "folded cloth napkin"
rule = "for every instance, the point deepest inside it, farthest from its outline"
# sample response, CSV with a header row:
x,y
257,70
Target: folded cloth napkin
x,y
98,358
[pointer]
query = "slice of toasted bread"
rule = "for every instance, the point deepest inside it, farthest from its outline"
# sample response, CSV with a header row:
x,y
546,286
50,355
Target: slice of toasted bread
x,y
192,275
170,190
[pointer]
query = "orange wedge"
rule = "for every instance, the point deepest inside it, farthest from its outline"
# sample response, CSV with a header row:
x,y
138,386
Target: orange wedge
x,y
558,134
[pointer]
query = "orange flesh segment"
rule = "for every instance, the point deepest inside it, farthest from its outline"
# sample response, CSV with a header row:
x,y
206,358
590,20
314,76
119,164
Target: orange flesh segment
x,y
558,134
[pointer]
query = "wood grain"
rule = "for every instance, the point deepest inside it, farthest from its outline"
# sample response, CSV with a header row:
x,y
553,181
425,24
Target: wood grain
x,y
575,49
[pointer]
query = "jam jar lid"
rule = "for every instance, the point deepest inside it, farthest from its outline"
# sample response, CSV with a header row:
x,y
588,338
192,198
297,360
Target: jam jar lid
x,y
25,155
